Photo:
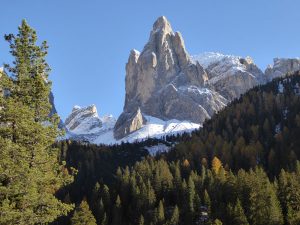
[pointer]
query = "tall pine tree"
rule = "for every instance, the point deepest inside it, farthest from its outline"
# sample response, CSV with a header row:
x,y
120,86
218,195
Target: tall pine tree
x,y
30,173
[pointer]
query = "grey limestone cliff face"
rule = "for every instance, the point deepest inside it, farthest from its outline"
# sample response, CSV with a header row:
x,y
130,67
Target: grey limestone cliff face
x,y
163,60
282,66
87,115
158,81
231,79
128,123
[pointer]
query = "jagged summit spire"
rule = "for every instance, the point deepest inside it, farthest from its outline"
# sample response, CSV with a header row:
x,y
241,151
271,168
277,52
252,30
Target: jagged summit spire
x,y
162,24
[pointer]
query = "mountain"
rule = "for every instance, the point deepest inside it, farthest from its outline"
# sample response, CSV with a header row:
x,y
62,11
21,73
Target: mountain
x,y
165,85
281,67
84,124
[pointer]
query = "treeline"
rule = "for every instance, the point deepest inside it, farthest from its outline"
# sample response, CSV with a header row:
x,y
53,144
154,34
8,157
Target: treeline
x,y
159,192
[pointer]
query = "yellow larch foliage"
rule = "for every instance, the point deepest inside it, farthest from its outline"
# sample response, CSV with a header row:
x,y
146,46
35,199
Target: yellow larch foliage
x,y
216,165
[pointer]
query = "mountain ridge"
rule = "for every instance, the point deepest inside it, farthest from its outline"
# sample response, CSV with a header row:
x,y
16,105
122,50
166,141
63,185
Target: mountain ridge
x,y
163,80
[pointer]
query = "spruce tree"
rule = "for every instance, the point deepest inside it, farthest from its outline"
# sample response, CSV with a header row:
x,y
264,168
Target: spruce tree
x,y
264,208
289,196
104,220
105,195
160,213
83,215
237,215
175,217
141,220
30,173
117,213
207,201
191,195
217,222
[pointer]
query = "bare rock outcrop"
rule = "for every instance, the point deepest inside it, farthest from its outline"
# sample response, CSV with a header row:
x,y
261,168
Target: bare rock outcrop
x,y
83,119
128,123
158,81
282,66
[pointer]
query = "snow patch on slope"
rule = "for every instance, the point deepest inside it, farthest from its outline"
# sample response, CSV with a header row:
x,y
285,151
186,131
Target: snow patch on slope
x,y
153,150
154,128
208,58
222,66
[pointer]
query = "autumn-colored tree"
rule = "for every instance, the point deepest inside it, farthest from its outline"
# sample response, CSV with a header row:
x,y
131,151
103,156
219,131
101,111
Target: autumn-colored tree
x,y
216,165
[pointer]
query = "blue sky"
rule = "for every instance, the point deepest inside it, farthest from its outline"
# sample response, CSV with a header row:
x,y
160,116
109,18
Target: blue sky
x,y
90,40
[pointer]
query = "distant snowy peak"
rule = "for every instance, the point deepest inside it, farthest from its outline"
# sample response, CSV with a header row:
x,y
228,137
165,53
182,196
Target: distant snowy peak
x,y
83,120
209,58
86,121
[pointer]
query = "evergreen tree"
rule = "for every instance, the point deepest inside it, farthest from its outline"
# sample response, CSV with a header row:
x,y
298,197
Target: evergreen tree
x,y
83,215
104,220
237,215
117,214
289,196
264,206
105,195
207,201
191,195
100,212
30,173
160,213
141,220
217,222
175,217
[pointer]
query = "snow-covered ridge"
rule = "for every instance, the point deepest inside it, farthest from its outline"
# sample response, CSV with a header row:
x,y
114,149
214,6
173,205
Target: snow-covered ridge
x,y
85,124
208,58
85,120
154,128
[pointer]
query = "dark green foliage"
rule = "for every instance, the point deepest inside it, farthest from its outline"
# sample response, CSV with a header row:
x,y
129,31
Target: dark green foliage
x,y
141,220
217,222
289,196
243,198
236,214
83,215
117,212
175,216
30,173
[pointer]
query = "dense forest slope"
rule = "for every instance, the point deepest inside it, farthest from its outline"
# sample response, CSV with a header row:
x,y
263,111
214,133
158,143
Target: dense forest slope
x,y
240,168
260,128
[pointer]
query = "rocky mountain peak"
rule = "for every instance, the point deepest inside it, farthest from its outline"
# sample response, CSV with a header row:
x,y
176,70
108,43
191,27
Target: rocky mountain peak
x,y
83,119
281,66
163,63
162,24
